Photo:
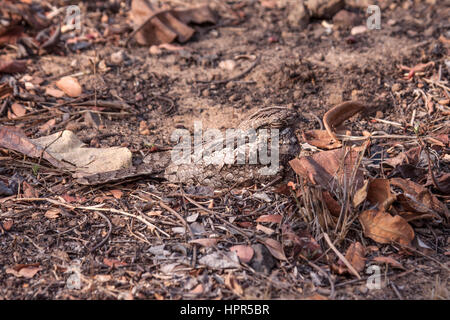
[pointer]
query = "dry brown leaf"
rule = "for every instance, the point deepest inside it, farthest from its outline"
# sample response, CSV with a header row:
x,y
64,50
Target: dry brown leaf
x,y
383,228
197,290
360,194
325,168
275,248
24,270
389,260
12,66
206,242
321,139
355,255
70,86
113,263
338,114
52,213
264,229
168,26
117,194
29,191
46,127
275,218
418,199
18,109
29,272
379,193
7,225
54,92
244,253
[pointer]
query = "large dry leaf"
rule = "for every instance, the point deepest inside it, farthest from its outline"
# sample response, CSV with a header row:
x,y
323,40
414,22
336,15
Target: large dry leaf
x,y
381,227
418,199
65,146
329,169
168,26
15,139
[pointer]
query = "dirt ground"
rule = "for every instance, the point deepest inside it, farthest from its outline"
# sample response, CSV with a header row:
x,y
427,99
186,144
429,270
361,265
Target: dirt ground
x,y
309,69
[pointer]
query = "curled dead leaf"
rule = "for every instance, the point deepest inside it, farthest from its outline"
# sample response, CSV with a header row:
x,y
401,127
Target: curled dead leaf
x,y
337,115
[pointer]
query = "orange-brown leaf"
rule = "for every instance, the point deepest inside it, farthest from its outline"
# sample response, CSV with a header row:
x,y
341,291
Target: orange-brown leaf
x,y
381,227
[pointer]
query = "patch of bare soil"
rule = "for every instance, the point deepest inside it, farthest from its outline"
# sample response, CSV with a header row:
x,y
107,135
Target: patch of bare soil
x,y
141,237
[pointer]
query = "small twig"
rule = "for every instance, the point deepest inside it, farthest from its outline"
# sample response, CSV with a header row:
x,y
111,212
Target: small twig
x,y
343,259
119,105
195,203
240,75
112,210
319,269
188,228
425,256
397,292
102,242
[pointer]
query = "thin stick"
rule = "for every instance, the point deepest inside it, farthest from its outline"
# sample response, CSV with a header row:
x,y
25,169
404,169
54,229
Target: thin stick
x,y
344,260
112,210
195,203
322,272
186,225
240,75
98,245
